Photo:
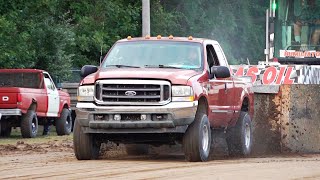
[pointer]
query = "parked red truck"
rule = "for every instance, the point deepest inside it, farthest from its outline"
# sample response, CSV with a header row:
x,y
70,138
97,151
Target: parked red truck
x,y
163,90
28,98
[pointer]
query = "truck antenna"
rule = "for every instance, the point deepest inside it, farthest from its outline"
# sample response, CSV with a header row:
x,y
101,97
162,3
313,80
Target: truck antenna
x,y
101,45
100,54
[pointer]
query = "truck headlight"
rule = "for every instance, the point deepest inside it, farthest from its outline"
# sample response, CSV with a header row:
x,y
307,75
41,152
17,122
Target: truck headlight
x,y
85,93
182,93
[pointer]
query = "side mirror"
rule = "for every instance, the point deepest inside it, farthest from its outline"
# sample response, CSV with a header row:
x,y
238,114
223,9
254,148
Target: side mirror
x,y
220,71
88,69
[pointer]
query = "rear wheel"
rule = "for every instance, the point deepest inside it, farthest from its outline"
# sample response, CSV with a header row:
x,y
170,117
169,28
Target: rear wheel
x,y
64,123
29,125
137,149
85,145
197,139
5,128
239,138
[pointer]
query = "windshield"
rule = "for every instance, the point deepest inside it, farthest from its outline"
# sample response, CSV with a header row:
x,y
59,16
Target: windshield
x,y
297,26
162,54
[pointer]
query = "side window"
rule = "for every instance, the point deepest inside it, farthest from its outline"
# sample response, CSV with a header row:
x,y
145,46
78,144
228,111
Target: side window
x,y
211,56
220,55
41,82
48,82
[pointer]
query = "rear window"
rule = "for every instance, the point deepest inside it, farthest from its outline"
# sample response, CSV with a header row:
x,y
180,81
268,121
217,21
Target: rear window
x,y
23,80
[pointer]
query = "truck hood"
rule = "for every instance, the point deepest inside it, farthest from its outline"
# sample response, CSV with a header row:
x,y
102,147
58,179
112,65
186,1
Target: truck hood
x,y
175,76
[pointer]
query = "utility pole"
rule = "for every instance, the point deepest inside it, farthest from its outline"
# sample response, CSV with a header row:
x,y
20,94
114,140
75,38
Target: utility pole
x,y
145,17
267,50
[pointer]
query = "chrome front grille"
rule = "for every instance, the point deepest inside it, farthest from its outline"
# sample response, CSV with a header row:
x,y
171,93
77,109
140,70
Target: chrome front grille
x,y
132,92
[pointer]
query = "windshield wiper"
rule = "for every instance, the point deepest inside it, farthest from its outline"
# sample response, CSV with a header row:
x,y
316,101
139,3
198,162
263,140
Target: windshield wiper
x,y
162,66
120,66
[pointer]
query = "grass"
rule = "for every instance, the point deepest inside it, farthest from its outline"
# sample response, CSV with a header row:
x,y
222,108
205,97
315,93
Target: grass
x,y
16,136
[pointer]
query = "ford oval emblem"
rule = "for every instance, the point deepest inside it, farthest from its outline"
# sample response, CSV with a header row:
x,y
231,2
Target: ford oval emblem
x,y
130,93
5,98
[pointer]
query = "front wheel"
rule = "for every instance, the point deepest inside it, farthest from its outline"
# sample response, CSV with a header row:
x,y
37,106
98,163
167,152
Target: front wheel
x,y
197,139
239,138
84,145
64,123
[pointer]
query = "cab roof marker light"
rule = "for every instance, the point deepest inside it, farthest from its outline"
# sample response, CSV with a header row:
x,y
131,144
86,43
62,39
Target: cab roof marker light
x,y
147,37
159,37
190,38
170,37
129,37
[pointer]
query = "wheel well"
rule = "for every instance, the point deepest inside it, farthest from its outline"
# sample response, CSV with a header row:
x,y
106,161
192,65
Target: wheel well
x,y
33,106
65,106
245,105
202,105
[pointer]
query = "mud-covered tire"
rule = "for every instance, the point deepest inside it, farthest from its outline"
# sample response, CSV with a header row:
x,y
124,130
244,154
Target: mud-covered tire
x,y
84,145
29,125
5,128
197,139
137,149
239,138
64,123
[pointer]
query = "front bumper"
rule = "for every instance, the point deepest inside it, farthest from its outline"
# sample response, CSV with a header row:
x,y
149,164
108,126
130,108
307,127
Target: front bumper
x,y
100,119
10,112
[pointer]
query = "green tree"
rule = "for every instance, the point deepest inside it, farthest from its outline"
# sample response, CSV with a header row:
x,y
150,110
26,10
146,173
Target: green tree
x,y
99,24
231,22
58,35
36,35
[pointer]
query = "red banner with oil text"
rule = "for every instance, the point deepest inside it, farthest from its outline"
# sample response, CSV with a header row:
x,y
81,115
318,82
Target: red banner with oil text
x,y
280,74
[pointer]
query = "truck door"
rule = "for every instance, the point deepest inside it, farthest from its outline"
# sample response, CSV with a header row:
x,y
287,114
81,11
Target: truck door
x,y
219,93
229,86
53,97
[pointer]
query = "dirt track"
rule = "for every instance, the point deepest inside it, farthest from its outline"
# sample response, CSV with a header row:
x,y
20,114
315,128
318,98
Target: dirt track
x,y
56,160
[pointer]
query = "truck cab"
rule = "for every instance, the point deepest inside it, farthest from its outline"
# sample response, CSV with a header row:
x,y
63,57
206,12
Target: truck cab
x,y
163,90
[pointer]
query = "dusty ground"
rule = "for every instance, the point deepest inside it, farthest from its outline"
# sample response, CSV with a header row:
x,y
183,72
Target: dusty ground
x,y
55,159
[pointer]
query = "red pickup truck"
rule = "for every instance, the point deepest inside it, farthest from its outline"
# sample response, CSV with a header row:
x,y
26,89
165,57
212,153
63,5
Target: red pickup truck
x,y
163,90
28,98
